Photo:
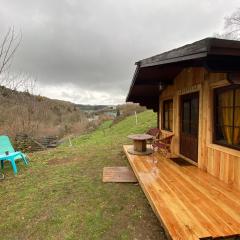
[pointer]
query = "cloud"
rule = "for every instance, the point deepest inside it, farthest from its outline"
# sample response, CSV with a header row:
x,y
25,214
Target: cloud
x,y
79,95
91,46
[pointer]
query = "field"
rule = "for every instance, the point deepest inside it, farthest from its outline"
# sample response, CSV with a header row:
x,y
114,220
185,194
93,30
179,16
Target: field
x,y
61,195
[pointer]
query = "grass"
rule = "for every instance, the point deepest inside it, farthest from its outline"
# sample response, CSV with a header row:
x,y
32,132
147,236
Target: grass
x,y
61,195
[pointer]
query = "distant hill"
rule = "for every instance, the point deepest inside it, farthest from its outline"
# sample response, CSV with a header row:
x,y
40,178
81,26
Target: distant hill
x,y
38,115
89,108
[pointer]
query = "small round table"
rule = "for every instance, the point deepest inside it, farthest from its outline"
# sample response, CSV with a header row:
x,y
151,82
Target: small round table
x,y
140,144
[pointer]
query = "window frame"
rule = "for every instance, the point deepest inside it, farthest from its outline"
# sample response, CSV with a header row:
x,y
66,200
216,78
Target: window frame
x,y
216,92
167,101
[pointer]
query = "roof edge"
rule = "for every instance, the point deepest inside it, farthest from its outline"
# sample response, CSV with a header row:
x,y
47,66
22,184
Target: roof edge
x,y
197,49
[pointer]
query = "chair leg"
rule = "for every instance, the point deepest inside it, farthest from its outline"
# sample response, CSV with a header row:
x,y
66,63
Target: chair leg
x,y
154,154
167,152
24,158
14,166
163,151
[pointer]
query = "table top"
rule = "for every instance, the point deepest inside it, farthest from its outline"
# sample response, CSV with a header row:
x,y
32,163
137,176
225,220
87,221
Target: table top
x,y
140,136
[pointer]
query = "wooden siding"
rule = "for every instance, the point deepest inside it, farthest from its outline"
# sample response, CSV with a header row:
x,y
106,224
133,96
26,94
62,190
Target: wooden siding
x,y
221,162
225,166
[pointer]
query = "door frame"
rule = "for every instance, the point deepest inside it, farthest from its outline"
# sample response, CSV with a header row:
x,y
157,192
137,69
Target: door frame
x,y
192,89
195,136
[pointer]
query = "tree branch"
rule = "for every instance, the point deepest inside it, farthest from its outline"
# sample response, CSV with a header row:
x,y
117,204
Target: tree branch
x,y
8,48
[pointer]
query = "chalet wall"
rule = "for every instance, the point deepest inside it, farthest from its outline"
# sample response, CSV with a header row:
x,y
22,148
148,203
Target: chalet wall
x,y
222,162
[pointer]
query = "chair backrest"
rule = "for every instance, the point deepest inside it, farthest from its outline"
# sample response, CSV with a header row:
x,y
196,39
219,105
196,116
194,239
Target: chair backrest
x,y
5,145
154,132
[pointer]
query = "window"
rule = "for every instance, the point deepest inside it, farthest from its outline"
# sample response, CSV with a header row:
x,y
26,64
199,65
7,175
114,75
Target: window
x,y
227,116
168,115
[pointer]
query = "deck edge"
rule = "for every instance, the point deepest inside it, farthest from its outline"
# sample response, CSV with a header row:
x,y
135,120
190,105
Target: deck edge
x,y
147,196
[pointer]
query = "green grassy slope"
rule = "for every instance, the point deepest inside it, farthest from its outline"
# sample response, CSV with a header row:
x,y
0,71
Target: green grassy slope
x,y
61,195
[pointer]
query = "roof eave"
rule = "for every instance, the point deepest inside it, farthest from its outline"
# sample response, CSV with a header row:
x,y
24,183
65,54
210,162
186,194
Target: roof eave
x,y
133,81
174,60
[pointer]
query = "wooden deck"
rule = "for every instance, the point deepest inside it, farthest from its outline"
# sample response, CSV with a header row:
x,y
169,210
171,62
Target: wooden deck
x,y
189,203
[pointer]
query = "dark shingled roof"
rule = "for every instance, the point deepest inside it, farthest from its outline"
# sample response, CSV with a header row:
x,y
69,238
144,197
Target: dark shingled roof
x,y
214,54
195,50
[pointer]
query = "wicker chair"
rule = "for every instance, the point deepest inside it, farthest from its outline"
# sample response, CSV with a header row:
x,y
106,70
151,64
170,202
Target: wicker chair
x,y
163,145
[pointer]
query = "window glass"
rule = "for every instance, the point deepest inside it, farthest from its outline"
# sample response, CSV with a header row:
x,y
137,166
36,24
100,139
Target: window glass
x,y
227,118
194,116
186,117
168,115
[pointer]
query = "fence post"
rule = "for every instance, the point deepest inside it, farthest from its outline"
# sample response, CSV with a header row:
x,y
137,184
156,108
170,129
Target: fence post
x,y
136,118
70,142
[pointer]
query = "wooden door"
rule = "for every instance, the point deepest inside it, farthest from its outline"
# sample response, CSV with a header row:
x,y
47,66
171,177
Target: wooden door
x,y
189,126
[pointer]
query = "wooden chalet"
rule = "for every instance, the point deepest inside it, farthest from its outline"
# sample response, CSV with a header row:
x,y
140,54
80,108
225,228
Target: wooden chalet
x,y
195,89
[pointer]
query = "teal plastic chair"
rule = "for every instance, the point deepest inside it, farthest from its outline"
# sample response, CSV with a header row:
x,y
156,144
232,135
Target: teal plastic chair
x,y
7,153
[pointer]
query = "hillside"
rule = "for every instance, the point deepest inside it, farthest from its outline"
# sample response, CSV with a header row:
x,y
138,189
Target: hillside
x,y
38,116
91,108
61,194
22,112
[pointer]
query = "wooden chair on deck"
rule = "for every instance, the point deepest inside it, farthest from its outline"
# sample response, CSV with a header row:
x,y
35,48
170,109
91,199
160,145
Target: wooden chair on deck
x,y
163,145
155,132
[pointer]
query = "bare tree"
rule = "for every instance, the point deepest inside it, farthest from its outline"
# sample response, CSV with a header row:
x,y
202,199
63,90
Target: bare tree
x,y
8,48
15,80
29,113
231,26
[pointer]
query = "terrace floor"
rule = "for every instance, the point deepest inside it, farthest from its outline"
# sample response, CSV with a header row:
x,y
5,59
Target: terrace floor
x,y
189,203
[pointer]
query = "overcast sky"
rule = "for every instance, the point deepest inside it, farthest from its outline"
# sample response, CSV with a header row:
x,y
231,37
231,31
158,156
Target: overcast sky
x,y
84,51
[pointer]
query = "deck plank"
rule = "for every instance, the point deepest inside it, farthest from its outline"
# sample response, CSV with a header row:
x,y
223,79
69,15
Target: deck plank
x,y
118,175
190,203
